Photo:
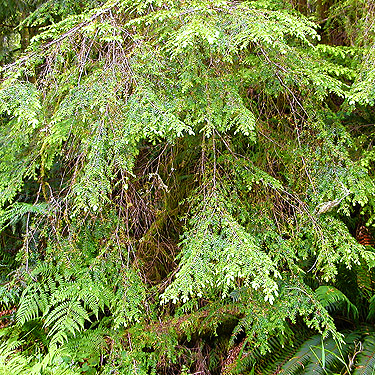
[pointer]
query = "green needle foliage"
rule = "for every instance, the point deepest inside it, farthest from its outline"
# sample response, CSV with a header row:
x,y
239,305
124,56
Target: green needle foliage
x,y
187,187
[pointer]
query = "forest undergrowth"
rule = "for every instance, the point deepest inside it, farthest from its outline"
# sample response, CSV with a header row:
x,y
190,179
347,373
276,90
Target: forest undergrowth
x,y
187,187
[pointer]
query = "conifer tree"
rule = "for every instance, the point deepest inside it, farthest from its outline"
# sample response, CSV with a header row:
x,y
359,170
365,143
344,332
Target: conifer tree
x,y
187,187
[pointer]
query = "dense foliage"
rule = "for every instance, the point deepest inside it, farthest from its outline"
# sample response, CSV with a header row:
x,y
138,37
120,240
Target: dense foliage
x,y
187,187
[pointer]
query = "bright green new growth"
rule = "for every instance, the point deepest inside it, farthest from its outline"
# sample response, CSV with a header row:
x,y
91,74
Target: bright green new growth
x,y
183,187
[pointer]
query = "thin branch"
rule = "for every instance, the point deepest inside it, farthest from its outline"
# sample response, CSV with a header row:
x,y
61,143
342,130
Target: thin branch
x,y
73,30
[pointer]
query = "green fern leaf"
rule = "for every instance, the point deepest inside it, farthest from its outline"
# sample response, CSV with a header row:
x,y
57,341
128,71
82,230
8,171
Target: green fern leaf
x,y
332,299
301,358
371,308
365,364
67,317
28,308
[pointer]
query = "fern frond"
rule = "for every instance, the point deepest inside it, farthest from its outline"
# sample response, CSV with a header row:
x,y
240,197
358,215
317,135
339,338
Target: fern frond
x,y
28,309
17,210
279,353
318,355
67,317
301,357
88,345
11,361
371,308
365,363
332,299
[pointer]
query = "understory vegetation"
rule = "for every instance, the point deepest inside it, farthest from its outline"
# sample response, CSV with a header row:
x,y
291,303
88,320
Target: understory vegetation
x,y
187,187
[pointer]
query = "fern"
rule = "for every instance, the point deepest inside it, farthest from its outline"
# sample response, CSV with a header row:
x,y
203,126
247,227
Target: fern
x,y
86,346
12,362
365,363
272,362
128,305
66,317
16,211
371,309
318,356
331,298
64,303
294,300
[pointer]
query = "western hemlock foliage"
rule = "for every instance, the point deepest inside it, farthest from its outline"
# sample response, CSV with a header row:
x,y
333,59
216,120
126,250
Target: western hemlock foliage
x,y
187,187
